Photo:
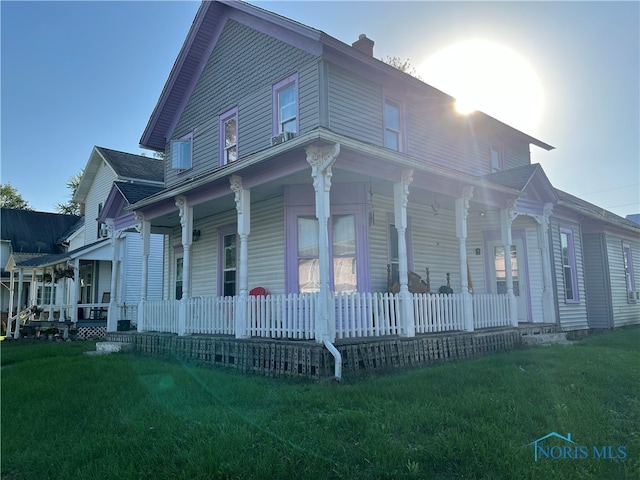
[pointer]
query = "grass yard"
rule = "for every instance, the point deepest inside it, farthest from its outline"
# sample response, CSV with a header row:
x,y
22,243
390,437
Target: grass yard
x,y
70,416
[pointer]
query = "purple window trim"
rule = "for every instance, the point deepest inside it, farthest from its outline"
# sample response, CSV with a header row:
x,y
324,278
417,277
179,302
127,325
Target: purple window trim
x,y
277,88
403,131
223,232
392,221
572,263
626,249
222,119
359,211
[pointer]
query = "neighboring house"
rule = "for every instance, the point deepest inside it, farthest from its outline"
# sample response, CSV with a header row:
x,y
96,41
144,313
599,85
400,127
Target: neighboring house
x,y
90,251
326,179
27,236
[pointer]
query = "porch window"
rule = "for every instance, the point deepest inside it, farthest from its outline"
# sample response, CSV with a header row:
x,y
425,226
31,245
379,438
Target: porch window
x,y
308,251
627,260
230,263
181,152
500,263
497,158
285,104
229,137
393,258
86,282
179,271
569,265
43,295
392,125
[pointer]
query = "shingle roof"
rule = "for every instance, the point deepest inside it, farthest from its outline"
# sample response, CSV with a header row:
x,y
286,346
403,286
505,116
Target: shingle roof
x,y
134,192
594,211
129,165
35,232
517,178
34,261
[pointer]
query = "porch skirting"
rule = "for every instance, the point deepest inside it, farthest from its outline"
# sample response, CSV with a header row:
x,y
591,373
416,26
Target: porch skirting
x,y
312,360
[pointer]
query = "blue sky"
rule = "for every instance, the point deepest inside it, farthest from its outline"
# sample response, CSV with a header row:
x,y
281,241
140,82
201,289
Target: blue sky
x,y
79,74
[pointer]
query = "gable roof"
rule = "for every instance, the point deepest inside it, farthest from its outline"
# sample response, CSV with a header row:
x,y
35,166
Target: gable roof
x,y
125,166
201,39
595,212
35,232
527,178
134,192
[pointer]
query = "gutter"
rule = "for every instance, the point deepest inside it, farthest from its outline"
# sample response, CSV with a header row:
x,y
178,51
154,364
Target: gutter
x,y
336,354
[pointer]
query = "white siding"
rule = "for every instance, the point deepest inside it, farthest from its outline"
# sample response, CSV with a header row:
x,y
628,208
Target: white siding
x,y
98,193
132,266
624,313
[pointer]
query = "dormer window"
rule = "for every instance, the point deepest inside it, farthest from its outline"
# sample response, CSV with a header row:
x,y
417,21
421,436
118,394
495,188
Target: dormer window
x,y
229,137
285,105
181,152
392,125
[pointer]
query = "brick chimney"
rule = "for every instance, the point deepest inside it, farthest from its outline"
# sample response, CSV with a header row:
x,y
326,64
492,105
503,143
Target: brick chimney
x,y
364,44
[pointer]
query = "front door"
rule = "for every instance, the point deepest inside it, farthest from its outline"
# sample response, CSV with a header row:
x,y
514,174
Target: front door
x,y
498,270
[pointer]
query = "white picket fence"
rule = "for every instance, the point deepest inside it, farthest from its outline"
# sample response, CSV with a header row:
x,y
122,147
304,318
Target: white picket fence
x,y
490,311
293,316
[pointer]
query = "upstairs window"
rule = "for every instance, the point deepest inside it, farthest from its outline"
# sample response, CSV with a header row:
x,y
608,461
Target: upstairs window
x,y
627,260
181,152
285,105
497,158
569,265
392,125
229,137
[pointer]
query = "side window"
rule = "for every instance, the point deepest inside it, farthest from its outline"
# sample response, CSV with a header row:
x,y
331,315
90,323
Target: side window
x,y
179,270
227,261
285,105
393,125
569,265
229,136
627,259
497,158
181,152
101,230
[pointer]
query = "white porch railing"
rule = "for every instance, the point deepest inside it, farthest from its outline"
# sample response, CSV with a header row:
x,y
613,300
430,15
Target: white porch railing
x,y
367,315
438,312
490,310
356,314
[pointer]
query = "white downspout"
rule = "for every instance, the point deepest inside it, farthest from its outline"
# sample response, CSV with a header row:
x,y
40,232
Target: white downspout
x,y
336,354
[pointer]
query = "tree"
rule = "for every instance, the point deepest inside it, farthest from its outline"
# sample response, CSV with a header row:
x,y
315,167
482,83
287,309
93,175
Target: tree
x,y
10,198
71,207
402,65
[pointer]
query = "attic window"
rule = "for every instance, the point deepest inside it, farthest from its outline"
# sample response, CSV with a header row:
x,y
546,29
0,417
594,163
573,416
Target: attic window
x,y
181,152
229,136
497,158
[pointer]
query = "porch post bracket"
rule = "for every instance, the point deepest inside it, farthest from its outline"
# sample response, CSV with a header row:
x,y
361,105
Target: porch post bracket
x,y
321,159
139,216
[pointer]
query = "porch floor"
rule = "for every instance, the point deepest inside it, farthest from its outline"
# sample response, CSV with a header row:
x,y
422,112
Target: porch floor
x,y
306,358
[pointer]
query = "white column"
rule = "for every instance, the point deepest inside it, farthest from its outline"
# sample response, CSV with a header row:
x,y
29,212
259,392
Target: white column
x,y
400,202
321,159
16,332
462,211
12,290
76,290
507,215
186,221
243,208
52,297
112,313
548,304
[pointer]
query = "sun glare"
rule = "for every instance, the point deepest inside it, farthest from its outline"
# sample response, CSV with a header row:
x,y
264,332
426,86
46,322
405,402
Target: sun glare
x,y
486,76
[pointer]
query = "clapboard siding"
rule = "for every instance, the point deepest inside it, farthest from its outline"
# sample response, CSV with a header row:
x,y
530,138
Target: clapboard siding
x,y
241,71
104,279
572,316
624,312
97,194
355,106
132,265
597,281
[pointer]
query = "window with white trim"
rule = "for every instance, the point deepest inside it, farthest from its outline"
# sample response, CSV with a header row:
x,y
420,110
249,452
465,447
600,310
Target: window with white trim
x,y
229,136
285,104
570,275
392,125
179,272
627,259
182,152
497,158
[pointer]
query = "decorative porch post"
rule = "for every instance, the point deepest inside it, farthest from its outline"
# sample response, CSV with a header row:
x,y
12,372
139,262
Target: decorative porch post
x,y
462,211
548,307
16,333
186,221
321,159
12,290
507,215
112,313
243,208
400,201
76,290
51,292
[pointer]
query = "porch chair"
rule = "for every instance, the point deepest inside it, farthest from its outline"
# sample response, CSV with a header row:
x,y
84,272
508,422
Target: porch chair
x,y
101,312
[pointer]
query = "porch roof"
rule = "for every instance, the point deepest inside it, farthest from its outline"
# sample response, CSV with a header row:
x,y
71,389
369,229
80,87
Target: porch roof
x,y
93,251
529,179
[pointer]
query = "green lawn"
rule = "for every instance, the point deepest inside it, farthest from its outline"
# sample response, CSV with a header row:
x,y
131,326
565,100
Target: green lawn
x,y
70,416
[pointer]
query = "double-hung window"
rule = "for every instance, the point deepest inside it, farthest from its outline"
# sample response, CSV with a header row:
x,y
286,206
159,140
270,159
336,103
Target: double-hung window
x,y
570,275
229,136
285,105
627,260
497,158
181,152
392,125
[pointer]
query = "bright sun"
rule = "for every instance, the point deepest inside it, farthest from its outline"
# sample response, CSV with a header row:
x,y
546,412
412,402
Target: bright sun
x,y
486,76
